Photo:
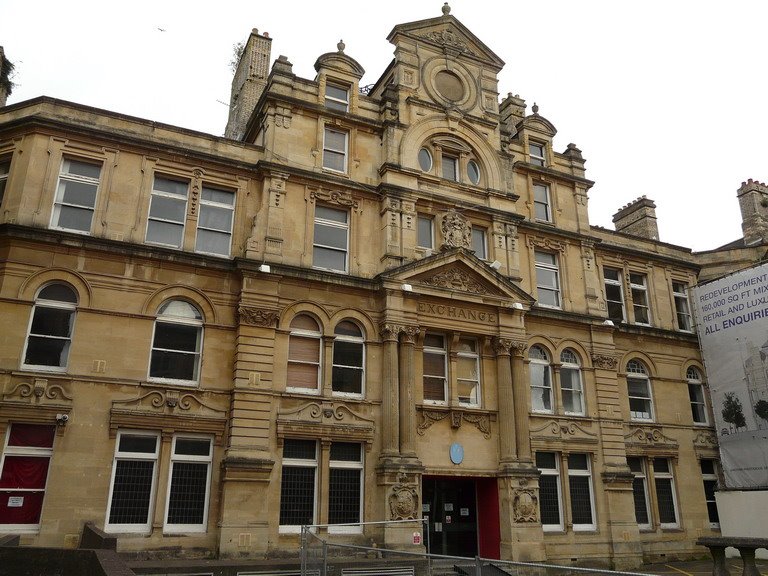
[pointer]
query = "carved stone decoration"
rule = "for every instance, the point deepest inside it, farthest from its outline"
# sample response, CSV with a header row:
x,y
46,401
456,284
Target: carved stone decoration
x,y
502,346
390,331
588,254
257,317
324,420
605,361
457,231
519,348
403,502
409,334
456,279
649,436
40,389
334,197
546,243
564,429
449,39
525,504
705,440
479,420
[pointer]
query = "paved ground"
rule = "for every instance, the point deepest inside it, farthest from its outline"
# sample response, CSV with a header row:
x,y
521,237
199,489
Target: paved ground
x,y
700,568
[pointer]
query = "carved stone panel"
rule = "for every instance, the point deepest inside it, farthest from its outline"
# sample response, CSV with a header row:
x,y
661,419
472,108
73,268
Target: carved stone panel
x,y
457,231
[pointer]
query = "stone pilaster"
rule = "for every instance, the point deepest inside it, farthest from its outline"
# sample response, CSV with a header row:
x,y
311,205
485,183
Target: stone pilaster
x,y
407,399
390,393
507,437
522,401
522,537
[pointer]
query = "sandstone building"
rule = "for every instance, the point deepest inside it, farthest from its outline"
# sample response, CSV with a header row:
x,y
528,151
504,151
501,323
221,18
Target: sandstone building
x,y
362,304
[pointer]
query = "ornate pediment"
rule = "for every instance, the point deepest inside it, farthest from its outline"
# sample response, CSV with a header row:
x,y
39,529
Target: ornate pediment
x,y
564,430
325,421
456,278
170,411
653,437
37,401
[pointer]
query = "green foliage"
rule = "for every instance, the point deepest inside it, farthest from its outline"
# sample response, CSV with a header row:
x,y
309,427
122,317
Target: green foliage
x,y
733,412
237,52
761,409
6,71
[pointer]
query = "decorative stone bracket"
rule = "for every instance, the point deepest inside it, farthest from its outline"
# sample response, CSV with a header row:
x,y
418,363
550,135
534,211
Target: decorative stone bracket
x,y
481,421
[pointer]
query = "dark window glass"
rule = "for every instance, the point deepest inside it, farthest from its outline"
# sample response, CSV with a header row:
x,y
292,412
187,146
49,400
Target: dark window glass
x,y
131,492
186,501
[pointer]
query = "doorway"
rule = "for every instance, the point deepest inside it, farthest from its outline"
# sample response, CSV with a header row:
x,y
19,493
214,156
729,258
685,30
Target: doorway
x,y
451,505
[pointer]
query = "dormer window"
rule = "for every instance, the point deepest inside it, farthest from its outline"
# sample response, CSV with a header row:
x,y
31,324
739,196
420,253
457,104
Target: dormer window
x,y
337,97
451,159
536,152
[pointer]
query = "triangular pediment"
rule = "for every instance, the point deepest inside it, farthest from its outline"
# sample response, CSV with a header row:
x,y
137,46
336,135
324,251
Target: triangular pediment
x,y
458,271
447,33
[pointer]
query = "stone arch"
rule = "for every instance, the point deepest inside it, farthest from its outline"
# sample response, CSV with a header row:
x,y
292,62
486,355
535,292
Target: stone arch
x,y
34,282
306,307
644,358
437,125
584,356
193,295
357,316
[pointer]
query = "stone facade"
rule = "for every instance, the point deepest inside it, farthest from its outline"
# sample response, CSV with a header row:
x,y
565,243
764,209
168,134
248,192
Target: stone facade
x,y
369,299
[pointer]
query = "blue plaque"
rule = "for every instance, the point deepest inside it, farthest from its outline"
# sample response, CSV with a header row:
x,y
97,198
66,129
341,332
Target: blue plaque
x,y
457,453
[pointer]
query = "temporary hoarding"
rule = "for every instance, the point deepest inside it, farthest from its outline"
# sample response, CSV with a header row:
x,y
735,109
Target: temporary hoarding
x,y
732,323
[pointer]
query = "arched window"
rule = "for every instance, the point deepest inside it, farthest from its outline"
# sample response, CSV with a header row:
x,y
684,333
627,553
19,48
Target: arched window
x,y
541,379
571,386
177,343
348,359
639,391
697,396
304,355
50,329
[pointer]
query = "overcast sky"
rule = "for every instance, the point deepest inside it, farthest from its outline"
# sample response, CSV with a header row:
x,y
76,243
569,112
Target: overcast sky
x,y
666,98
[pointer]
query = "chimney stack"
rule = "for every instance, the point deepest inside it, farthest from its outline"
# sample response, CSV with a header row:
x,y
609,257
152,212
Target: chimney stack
x,y
638,218
753,201
248,83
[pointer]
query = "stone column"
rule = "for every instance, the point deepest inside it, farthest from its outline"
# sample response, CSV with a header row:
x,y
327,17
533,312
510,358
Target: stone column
x,y
507,438
407,404
522,392
390,393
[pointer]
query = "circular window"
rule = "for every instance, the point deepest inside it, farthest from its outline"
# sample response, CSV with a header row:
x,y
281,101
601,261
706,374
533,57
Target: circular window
x,y
449,86
425,160
473,172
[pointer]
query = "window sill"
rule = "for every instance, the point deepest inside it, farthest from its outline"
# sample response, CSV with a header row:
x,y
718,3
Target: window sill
x,y
671,529
171,382
49,369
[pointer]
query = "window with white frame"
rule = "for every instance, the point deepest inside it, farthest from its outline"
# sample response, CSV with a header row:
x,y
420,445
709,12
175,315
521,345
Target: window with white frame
x,y
335,145
450,167
550,496
666,499
49,336
189,485
336,97
426,232
614,294
76,195
581,492
542,207
571,387
167,212
304,348
541,379
435,356
639,290
468,368
24,465
639,391
5,169
348,359
132,488
682,307
536,153
214,224
480,242
547,279
331,239
696,395
298,485
177,344
640,491
345,486
709,477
